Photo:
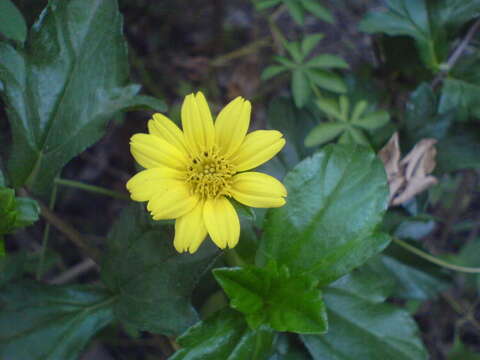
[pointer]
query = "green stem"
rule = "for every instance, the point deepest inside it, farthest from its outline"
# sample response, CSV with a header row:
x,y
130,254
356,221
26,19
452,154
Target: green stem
x,y
91,188
435,260
233,259
46,233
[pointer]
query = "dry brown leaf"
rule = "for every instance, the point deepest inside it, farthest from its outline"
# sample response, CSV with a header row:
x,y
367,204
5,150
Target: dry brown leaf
x,y
411,175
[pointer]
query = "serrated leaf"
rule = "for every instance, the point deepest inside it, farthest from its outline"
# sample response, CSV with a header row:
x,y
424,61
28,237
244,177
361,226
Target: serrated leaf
x,y
300,88
373,120
318,10
336,199
63,88
356,311
324,132
272,71
225,336
273,297
153,282
46,322
327,80
327,61
12,23
309,42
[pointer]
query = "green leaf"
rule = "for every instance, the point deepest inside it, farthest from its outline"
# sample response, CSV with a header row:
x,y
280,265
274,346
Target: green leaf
x,y
362,326
48,322
225,336
295,9
62,90
358,136
358,111
327,61
330,107
460,96
309,42
327,80
300,88
272,71
336,200
318,10
373,120
273,297
28,211
265,4
153,282
405,17
12,23
324,132
295,51
8,211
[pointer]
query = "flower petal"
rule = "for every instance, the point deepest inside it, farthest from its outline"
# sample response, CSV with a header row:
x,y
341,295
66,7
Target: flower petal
x,y
232,124
258,147
150,151
173,203
190,230
222,222
148,183
197,124
258,190
166,129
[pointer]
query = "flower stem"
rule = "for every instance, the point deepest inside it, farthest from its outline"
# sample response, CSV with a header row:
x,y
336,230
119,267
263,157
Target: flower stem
x,y
434,260
92,188
46,233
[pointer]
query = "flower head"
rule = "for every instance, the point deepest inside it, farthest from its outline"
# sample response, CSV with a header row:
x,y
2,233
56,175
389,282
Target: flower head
x,y
191,174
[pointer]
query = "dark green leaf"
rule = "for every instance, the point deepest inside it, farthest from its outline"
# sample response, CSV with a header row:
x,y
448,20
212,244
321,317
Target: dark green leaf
x,y
309,42
459,150
27,212
462,97
273,297
327,61
225,336
295,9
48,322
374,120
8,210
324,132
330,107
12,23
361,325
336,200
61,91
154,283
265,4
318,10
272,71
300,88
327,80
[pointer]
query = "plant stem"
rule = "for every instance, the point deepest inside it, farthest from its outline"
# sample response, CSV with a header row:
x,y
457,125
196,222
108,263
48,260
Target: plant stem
x,y
435,260
242,51
72,234
452,60
92,188
46,233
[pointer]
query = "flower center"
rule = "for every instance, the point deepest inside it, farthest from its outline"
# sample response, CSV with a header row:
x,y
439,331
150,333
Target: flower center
x,y
210,175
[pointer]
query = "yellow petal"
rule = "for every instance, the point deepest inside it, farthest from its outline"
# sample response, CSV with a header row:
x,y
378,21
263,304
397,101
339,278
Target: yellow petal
x,y
222,222
258,147
190,230
148,183
150,151
232,124
258,190
173,203
166,129
197,124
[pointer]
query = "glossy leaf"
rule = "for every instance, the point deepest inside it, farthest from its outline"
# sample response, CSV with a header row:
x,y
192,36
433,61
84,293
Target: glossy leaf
x,y
48,322
153,282
225,336
336,200
62,90
362,326
273,297
12,23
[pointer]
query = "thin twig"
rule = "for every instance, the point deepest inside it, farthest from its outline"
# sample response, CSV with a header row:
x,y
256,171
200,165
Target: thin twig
x,y
72,234
452,60
242,51
435,260
92,188
75,271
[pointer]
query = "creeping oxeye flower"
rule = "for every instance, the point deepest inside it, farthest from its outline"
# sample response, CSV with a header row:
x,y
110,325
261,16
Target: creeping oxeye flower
x,y
191,175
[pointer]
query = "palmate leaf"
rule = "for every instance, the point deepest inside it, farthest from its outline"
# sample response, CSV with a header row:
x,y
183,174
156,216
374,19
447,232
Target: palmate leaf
x,y
225,336
361,325
153,282
62,89
336,200
46,322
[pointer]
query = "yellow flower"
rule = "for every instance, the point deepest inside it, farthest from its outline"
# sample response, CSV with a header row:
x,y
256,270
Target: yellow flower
x,y
190,175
